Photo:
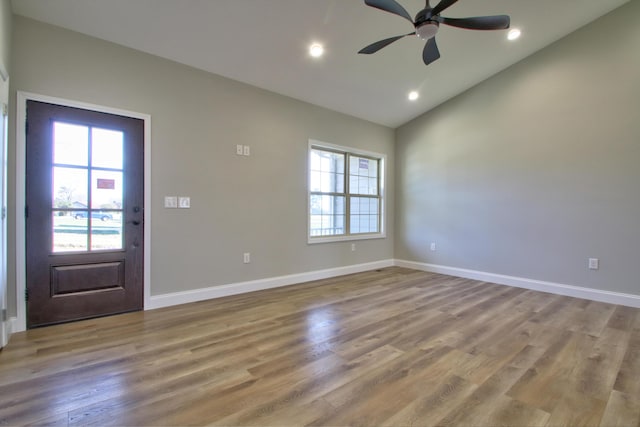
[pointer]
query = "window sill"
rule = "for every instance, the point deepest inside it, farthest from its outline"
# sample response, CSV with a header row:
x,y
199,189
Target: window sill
x,y
329,239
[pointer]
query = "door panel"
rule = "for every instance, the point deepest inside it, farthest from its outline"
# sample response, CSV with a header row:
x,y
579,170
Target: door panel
x,y
84,193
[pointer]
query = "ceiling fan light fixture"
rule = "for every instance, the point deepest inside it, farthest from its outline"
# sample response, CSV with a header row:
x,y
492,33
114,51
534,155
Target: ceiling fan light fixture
x,y
427,30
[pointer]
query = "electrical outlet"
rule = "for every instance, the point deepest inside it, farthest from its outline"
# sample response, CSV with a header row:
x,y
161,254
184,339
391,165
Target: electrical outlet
x,y
239,150
433,246
594,263
353,247
247,258
247,150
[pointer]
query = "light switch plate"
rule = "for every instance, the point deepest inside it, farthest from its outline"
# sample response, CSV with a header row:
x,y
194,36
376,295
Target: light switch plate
x,y
184,202
170,202
247,150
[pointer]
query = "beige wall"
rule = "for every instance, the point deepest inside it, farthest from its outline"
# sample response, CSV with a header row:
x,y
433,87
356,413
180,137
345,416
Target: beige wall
x,y
5,33
535,170
254,204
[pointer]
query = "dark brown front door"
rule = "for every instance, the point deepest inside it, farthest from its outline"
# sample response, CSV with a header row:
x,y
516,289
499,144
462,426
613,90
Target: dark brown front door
x,y
84,193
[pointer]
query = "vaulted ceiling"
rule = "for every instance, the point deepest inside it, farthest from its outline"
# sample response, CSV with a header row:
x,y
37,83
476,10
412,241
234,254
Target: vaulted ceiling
x,y
265,43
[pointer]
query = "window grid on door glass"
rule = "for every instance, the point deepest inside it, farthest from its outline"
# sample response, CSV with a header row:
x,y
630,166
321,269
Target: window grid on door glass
x,y
344,193
87,190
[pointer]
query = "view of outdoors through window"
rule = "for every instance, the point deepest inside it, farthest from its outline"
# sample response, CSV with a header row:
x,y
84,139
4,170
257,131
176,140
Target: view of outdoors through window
x,y
328,213
87,190
344,193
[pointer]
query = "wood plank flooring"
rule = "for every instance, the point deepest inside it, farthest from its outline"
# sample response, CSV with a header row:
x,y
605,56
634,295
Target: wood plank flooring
x,y
393,347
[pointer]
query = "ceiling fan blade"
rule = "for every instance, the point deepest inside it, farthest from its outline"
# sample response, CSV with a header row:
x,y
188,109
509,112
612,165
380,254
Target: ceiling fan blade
x,y
497,22
430,52
374,47
390,6
444,4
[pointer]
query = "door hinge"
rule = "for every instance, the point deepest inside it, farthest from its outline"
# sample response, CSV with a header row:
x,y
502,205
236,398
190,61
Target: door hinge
x,y
4,212
4,315
26,128
26,295
5,110
26,211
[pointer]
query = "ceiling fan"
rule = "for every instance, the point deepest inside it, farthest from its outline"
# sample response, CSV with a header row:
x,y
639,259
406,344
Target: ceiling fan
x,y
427,22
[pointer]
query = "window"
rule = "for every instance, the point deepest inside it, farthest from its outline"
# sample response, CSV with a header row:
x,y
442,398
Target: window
x,y
345,193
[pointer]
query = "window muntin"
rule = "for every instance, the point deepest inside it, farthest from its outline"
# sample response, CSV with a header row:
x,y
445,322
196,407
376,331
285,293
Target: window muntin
x,y
345,194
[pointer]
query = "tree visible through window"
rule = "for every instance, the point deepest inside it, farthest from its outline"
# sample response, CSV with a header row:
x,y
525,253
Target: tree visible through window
x,y
345,197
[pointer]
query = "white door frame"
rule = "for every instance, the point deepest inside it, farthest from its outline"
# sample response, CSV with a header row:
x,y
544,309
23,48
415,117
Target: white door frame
x,y
4,111
21,265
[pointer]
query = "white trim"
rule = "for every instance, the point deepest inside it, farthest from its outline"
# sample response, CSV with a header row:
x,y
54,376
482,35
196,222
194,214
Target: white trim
x,y
5,333
620,298
10,326
21,116
4,142
176,298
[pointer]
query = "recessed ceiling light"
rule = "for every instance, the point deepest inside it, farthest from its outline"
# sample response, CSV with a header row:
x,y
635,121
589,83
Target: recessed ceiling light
x,y
413,95
513,34
316,50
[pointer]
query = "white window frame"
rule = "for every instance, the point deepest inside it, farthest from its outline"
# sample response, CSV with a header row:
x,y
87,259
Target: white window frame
x,y
382,158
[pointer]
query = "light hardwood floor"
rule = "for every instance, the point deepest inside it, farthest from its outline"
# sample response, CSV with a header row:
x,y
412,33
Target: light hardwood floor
x,y
387,347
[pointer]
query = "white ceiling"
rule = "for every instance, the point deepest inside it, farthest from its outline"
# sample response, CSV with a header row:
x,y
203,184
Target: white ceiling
x,y
264,43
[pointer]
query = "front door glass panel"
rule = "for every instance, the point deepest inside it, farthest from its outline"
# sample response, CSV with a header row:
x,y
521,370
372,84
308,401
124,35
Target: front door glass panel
x,y
87,188
71,144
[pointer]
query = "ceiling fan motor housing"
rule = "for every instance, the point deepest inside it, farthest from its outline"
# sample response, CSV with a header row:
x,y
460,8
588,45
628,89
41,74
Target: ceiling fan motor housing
x,y
423,16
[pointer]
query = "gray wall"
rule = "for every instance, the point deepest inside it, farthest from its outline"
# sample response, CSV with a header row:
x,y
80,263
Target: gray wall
x,y
254,204
5,33
536,169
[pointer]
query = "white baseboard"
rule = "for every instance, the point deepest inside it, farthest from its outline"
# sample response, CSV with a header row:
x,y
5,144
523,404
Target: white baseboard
x,y
184,297
12,325
9,328
630,300
175,298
